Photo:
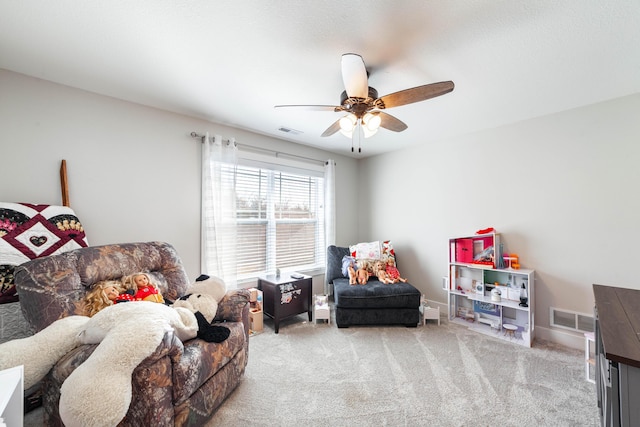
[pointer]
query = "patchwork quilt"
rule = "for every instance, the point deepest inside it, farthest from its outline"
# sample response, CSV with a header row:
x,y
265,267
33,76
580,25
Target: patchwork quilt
x,y
30,231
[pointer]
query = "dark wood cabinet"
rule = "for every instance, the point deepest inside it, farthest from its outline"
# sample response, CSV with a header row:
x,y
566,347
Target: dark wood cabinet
x,y
285,296
617,317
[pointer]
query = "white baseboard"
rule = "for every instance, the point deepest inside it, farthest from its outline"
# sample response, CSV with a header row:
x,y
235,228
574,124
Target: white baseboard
x,y
565,338
443,307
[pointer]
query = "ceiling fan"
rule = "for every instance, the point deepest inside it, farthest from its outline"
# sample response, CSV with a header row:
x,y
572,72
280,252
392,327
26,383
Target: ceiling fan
x,y
363,106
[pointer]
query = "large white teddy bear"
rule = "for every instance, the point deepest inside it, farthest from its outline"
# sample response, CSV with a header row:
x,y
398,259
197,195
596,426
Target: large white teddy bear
x,y
127,333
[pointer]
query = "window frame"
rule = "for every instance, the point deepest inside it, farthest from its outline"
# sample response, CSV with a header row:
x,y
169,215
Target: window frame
x,y
272,166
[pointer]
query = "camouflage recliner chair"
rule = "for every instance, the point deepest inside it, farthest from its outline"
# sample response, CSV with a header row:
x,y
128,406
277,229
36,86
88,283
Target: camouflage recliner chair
x,y
181,383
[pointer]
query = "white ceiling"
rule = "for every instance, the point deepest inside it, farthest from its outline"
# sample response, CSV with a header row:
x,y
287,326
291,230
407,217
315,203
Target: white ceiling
x,y
230,62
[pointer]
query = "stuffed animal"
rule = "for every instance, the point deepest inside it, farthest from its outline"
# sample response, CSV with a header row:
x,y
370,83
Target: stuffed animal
x,y
202,300
121,348
38,353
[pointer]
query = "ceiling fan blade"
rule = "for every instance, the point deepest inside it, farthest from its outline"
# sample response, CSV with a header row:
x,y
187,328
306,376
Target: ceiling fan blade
x,y
391,123
416,94
312,107
354,76
335,127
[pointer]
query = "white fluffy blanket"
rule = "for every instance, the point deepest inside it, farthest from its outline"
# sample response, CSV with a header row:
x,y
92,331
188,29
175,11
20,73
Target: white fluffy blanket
x,y
38,353
98,392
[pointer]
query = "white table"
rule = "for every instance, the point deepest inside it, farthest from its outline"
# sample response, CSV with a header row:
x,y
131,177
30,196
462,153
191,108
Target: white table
x,y
321,309
11,396
510,330
429,313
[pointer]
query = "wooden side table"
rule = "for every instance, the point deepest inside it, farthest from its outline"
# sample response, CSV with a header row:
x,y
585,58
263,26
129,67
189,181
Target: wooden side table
x,y
285,297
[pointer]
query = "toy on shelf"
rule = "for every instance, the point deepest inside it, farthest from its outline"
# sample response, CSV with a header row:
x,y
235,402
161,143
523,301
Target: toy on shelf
x,y
512,261
466,314
486,230
485,258
496,295
500,257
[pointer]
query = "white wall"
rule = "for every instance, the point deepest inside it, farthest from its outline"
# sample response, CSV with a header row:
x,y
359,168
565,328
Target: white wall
x,y
134,171
562,190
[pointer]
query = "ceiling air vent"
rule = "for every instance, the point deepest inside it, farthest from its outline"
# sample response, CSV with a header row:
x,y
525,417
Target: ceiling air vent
x,y
289,130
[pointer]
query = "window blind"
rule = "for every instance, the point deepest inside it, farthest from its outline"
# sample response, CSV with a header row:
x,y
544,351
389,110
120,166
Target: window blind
x,y
280,220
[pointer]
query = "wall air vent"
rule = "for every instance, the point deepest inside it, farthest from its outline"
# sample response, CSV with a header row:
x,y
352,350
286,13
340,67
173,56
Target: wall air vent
x,y
566,319
289,130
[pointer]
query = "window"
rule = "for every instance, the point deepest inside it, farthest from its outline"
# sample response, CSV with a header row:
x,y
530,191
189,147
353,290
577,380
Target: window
x,y
280,220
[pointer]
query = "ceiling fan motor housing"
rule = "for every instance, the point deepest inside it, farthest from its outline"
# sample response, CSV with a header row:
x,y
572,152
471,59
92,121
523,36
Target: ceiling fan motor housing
x,y
359,106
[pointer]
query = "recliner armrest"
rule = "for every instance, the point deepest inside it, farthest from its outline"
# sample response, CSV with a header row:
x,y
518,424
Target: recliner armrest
x,y
171,347
232,305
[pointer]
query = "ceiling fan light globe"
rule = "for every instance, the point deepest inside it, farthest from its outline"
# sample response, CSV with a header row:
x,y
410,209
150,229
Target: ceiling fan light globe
x,y
348,134
348,122
368,132
372,121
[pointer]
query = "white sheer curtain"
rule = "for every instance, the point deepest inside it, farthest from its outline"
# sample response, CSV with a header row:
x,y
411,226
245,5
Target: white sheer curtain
x,y
219,237
329,210
330,202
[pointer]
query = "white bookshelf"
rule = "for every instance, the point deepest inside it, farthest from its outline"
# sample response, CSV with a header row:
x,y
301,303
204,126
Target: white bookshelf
x,y
469,291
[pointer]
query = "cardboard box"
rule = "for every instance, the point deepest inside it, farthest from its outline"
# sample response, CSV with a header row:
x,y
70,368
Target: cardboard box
x,y
256,321
253,294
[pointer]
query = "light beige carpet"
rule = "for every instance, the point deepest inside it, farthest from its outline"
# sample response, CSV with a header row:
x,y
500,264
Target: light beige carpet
x,y
318,375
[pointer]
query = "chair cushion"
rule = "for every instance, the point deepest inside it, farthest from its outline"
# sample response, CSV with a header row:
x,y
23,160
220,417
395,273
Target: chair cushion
x,y
375,295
